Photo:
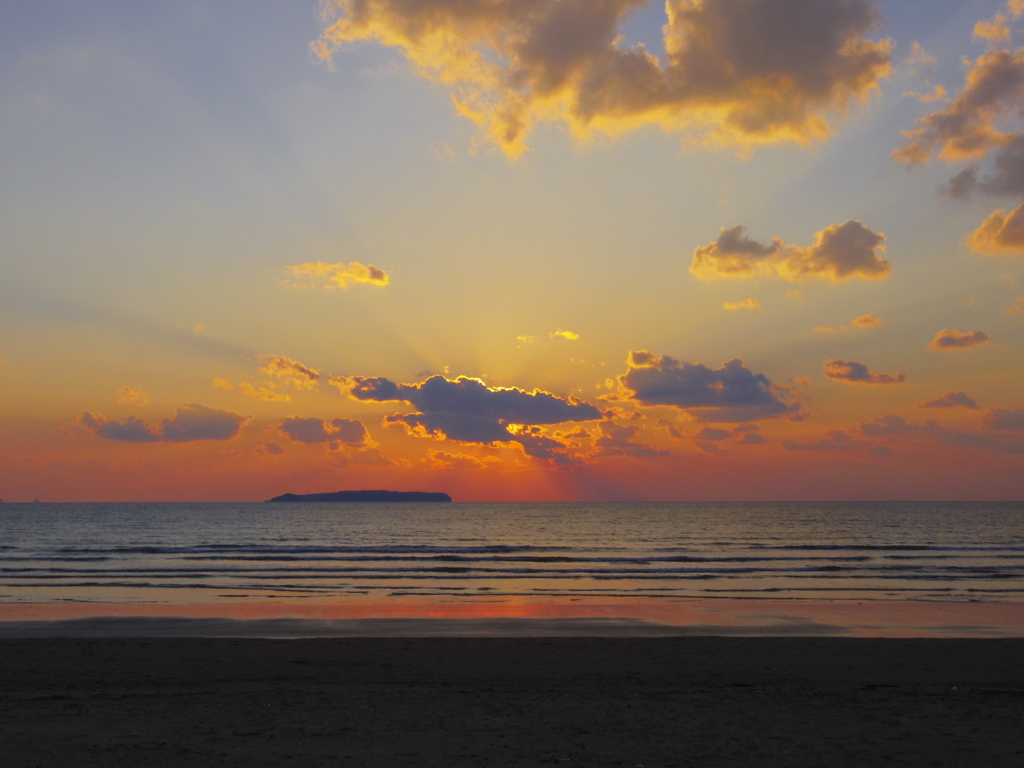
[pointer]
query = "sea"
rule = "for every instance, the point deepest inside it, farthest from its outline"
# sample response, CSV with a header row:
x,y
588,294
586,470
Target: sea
x,y
648,562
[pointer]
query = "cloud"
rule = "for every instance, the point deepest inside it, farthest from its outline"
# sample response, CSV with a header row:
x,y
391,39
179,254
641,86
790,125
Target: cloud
x,y
836,440
864,321
442,460
752,438
881,452
289,371
199,328
839,252
852,372
950,340
748,303
467,410
895,426
731,393
223,384
740,73
950,400
560,334
191,422
132,395
867,321
1000,233
966,129
1017,308
711,433
262,393
198,422
617,440
312,430
1008,419
134,430
340,275
271,448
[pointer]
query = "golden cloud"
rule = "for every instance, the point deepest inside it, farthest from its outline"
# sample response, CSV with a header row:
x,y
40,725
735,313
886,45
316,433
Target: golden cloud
x,y
742,73
262,393
839,252
341,275
1000,233
853,372
748,303
560,334
290,371
132,395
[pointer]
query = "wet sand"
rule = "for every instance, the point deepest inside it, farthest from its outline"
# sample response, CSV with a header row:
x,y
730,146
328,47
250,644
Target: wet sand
x,y
679,701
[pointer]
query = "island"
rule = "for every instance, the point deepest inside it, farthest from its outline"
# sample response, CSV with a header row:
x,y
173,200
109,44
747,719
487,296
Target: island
x,y
366,496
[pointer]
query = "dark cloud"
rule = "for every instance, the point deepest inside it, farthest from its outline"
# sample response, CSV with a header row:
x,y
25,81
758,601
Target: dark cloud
x,y
467,410
950,400
895,426
852,372
752,438
134,430
881,452
839,252
198,422
950,340
742,72
618,440
711,433
731,393
1009,419
836,440
191,422
966,129
1005,177
312,430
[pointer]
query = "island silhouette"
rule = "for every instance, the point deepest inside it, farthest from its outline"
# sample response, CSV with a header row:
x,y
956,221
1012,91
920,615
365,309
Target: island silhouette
x,y
366,496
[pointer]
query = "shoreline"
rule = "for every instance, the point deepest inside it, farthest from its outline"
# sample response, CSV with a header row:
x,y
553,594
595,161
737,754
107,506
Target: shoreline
x,y
483,617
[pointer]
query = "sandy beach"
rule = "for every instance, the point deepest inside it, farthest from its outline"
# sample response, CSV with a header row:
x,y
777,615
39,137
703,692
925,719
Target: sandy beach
x,y
681,701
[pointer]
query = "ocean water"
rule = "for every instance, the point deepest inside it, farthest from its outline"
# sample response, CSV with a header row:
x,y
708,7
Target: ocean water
x,y
253,552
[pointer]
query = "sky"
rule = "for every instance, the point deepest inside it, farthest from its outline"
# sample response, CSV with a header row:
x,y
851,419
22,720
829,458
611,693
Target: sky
x,y
513,250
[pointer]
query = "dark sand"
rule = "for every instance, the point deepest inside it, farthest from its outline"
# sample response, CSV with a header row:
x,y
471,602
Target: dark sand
x,y
685,701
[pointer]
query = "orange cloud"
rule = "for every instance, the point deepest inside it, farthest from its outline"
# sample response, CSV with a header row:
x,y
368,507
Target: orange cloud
x,y
262,393
748,303
290,371
950,400
839,252
741,73
341,275
836,440
223,384
949,340
864,321
1018,304
852,372
867,321
132,395
442,460
1000,233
